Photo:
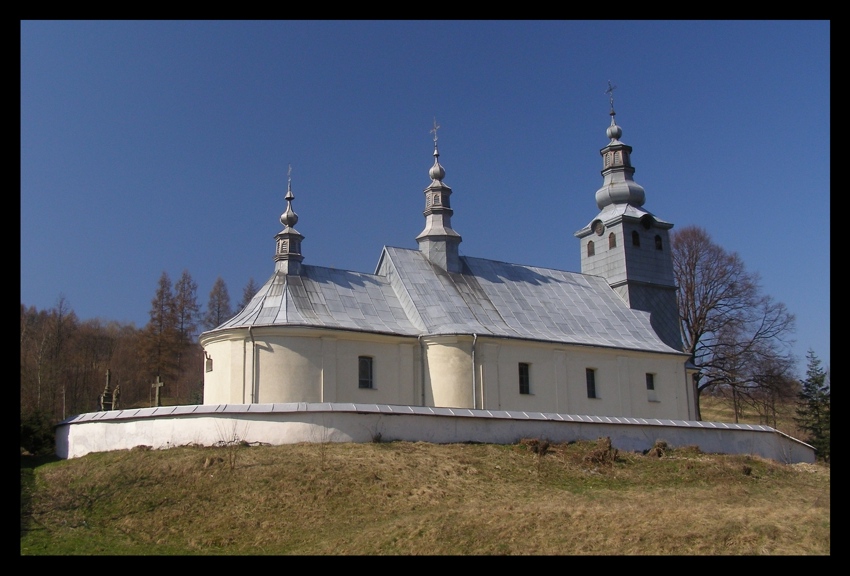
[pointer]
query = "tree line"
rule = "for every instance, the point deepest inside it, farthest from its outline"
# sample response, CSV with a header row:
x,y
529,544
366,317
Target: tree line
x,y
64,360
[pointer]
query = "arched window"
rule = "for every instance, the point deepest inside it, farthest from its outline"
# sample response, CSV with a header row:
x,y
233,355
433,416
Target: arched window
x,y
635,238
612,240
590,249
657,242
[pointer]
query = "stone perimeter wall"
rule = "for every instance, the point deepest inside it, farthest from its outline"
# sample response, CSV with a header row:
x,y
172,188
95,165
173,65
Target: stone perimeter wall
x,y
276,424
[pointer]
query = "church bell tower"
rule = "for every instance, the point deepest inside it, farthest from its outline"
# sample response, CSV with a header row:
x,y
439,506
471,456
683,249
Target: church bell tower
x,y
629,246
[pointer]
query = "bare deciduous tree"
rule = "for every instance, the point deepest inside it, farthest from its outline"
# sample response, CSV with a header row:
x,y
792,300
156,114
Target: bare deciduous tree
x,y
46,337
739,338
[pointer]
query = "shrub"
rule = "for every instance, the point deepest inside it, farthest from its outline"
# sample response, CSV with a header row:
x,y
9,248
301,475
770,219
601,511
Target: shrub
x,y
604,453
37,435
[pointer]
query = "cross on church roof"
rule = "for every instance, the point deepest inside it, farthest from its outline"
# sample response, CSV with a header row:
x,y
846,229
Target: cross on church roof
x,y
434,131
610,92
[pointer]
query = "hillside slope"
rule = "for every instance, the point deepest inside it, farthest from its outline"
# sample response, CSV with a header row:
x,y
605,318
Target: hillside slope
x,y
423,499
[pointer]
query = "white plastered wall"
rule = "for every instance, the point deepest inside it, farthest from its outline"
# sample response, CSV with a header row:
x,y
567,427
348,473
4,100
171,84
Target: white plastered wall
x,y
448,371
223,383
279,365
558,380
314,365
171,426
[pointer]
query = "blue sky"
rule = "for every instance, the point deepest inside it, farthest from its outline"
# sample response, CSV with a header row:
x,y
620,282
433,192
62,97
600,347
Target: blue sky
x,y
161,146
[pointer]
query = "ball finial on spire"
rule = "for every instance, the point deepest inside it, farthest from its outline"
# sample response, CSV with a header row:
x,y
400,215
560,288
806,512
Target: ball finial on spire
x,y
289,218
614,132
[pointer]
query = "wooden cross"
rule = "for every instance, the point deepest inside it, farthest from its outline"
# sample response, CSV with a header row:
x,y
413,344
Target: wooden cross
x,y
157,385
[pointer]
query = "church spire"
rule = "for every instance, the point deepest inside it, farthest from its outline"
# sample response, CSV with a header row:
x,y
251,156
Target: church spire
x,y
618,187
627,245
438,241
288,241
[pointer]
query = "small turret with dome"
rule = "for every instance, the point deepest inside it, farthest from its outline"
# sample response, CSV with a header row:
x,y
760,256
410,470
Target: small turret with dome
x,y
288,241
438,241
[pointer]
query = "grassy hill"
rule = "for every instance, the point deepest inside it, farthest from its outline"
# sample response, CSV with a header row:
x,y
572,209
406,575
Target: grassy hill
x,y
720,409
406,498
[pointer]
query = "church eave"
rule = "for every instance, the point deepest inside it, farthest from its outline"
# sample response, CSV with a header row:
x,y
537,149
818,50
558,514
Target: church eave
x,y
483,336
208,336
617,213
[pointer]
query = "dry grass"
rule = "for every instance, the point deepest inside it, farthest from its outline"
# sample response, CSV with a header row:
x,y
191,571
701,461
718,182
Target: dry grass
x,y
404,498
720,409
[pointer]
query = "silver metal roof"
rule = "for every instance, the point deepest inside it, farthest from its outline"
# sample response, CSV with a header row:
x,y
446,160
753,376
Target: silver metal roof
x,y
329,298
512,300
409,296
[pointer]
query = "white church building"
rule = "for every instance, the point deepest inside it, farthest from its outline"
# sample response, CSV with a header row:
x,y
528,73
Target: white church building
x,y
432,328
438,347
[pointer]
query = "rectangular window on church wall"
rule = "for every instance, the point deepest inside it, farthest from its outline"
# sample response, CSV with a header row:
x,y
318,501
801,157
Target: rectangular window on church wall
x,y
650,388
524,378
591,382
365,366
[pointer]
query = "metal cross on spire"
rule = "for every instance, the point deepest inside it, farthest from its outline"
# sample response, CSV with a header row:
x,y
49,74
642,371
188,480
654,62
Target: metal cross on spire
x,y
610,92
289,195
434,131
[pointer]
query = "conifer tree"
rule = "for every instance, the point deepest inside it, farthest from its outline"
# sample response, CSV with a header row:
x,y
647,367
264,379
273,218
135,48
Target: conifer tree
x,y
218,307
161,335
187,312
248,293
186,307
813,406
